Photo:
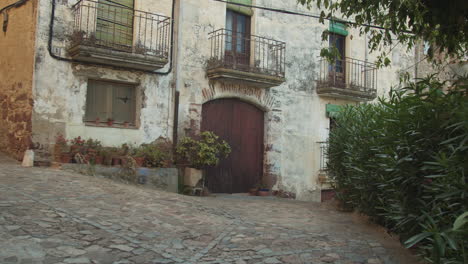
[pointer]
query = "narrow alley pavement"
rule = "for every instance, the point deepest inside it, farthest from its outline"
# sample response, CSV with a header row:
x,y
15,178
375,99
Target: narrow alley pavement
x,y
51,216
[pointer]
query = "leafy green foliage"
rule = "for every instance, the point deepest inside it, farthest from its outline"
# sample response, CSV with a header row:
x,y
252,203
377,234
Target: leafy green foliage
x,y
440,242
443,24
204,151
404,161
157,154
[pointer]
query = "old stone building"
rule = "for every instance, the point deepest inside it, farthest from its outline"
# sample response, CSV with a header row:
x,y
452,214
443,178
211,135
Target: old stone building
x,y
131,71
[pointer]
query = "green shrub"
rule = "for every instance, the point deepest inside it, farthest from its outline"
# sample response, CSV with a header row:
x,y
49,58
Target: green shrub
x,y
157,154
203,151
403,161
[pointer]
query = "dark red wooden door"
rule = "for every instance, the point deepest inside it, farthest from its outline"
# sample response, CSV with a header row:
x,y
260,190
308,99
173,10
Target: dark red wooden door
x,y
241,125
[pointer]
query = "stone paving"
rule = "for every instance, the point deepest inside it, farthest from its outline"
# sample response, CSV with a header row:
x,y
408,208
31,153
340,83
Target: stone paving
x,y
51,216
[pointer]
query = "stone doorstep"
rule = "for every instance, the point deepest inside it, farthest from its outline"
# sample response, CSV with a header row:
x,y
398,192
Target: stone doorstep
x,y
166,179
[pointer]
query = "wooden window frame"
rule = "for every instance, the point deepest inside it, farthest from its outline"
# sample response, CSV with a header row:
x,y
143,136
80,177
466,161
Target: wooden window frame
x,y
334,72
239,59
109,101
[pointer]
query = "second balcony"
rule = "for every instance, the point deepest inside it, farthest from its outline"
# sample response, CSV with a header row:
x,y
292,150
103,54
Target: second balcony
x,y
348,79
249,59
118,35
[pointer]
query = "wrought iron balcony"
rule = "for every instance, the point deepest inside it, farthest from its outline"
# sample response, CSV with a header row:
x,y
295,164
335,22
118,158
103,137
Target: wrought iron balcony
x,y
349,79
254,60
113,34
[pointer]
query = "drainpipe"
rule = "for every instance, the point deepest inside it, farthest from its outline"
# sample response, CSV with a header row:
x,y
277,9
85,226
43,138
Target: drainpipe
x,y
177,73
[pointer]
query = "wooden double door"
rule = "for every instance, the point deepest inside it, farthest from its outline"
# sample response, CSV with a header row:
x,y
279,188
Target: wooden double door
x,y
242,126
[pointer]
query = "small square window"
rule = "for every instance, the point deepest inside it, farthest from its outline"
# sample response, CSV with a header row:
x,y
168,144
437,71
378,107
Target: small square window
x,y
110,100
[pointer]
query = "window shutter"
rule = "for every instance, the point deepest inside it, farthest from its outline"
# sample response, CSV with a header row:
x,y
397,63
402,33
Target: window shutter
x,y
123,103
96,101
241,9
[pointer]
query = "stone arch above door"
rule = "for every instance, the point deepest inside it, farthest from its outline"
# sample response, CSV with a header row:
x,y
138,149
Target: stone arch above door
x,y
261,98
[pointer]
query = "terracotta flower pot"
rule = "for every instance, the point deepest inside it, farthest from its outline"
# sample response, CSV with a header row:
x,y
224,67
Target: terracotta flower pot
x,y
92,152
66,158
98,160
116,161
264,192
253,191
140,161
75,149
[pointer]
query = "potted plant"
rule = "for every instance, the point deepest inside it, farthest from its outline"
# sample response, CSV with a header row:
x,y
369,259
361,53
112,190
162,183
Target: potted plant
x,y
254,190
60,147
264,190
110,121
77,145
66,158
106,156
200,152
157,154
139,156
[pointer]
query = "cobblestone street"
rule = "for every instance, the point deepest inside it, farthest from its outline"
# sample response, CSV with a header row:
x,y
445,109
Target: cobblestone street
x,y
51,216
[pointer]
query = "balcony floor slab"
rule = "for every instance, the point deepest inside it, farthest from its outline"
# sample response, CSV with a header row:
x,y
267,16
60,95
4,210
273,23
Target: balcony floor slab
x,y
116,58
259,80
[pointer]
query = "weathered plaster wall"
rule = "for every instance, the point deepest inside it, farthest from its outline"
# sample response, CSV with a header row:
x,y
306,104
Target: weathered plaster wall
x,y
295,115
450,70
60,87
16,74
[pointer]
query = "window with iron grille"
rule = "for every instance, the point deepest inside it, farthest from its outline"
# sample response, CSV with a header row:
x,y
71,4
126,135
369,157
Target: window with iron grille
x,y
110,101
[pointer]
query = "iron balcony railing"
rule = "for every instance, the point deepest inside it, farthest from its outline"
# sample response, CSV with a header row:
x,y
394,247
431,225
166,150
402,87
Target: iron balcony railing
x,y
249,53
323,155
351,74
113,26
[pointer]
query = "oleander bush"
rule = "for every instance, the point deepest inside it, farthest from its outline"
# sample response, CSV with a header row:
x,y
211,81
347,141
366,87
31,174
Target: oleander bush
x,y
404,162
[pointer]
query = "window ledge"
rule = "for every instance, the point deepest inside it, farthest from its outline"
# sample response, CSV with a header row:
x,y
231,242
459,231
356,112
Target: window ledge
x,y
104,125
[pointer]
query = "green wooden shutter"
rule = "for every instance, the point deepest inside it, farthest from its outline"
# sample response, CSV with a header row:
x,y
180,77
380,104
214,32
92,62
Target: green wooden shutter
x,y
338,28
123,103
241,9
97,103
114,25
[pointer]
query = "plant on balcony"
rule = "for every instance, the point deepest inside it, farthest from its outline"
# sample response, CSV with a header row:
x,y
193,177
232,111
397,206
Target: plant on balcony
x,y
81,37
214,63
140,49
110,122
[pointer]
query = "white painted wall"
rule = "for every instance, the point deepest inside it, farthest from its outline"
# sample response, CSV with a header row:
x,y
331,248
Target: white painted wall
x,y
295,115
297,120
60,87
